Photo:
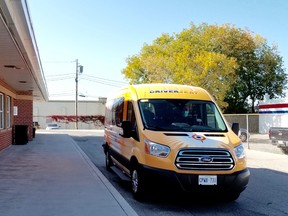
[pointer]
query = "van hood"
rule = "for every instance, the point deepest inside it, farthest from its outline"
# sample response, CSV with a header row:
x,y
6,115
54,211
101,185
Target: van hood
x,y
177,140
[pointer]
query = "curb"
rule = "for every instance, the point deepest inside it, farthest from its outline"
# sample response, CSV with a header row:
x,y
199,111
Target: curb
x,y
96,172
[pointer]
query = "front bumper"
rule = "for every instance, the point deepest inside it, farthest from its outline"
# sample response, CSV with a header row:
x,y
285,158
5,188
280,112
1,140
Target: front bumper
x,y
235,182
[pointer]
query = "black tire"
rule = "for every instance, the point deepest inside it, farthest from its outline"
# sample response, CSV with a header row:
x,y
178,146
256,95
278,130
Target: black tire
x,y
243,137
108,161
137,183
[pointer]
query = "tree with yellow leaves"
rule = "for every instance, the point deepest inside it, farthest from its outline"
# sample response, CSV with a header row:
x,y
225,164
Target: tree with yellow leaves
x,y
231,63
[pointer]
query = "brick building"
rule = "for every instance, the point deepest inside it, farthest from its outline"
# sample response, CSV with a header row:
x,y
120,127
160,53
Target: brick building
x,y
21,76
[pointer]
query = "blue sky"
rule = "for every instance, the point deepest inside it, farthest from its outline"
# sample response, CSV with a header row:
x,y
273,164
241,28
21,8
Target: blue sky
x,y
101,34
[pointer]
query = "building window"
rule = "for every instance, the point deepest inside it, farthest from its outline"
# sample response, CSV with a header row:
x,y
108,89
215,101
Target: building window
x,y
8,108
1,112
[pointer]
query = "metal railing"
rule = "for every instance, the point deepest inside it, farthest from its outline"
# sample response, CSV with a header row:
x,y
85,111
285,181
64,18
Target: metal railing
x,y
257,128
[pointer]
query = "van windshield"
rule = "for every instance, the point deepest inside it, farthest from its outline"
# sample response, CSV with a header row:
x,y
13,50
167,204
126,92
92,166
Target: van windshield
x,y
181,115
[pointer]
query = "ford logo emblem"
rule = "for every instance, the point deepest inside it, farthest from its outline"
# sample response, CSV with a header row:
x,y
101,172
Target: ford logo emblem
x,y
206,159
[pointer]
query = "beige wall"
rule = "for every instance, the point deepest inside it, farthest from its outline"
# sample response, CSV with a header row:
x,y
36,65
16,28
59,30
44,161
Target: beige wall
x,y
42,111
253,121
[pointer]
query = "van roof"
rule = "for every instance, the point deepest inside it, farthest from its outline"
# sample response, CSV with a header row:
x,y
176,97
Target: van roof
x,y
157,91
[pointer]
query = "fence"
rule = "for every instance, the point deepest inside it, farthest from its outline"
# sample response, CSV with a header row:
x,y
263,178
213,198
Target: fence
x,y
255,125
257,128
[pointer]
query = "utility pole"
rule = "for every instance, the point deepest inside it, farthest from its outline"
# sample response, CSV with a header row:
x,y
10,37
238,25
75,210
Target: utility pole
x,y
79,68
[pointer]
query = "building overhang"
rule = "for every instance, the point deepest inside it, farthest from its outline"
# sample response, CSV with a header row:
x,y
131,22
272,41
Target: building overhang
x,y
20,65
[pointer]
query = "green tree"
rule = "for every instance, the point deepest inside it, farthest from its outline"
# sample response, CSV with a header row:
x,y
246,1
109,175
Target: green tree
x,y
260,72
231,63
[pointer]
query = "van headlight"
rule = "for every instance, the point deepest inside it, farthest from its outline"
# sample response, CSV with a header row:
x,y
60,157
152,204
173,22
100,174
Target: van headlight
x,y
156,149
240,151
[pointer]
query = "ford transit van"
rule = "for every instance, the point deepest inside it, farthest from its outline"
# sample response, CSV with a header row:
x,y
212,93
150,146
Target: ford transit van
x,y
175,133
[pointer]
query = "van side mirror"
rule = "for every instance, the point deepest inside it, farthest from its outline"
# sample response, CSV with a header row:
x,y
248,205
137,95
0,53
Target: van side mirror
x,y
127,129
235,128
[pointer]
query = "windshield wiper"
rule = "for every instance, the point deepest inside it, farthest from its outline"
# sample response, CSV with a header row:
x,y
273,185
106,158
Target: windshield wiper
x,y
156,128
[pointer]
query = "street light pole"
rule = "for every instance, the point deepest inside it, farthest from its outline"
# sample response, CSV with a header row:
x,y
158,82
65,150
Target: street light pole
x,y
76,96
79,69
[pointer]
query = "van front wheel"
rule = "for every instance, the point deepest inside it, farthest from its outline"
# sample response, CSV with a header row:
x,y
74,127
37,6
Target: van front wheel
x,y
137,182
108,161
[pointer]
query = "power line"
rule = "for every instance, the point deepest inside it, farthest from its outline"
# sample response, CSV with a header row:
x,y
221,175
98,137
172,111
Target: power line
x,y
86,77
103,81
56,62
59,79
68,74
63,93
100,80
109,83
94,77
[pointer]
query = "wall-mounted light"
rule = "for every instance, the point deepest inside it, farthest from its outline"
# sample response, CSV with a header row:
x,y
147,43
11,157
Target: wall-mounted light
x,y
15,110
13,67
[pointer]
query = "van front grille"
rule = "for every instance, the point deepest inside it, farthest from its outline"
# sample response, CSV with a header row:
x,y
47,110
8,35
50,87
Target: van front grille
x,y
204,159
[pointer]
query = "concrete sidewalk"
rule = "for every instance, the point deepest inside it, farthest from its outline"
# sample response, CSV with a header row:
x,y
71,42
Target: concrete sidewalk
x,y
266,160
52,176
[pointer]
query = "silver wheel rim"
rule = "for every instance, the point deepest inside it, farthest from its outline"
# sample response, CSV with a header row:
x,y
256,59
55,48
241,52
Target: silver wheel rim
x,y
243,137
107,160
135,181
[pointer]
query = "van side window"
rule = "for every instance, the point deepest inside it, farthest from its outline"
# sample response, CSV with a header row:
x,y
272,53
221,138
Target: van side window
x,y
131,114
117,111
131,117
114,112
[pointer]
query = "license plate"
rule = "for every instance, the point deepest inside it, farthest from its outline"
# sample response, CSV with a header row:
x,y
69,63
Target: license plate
x,y
207,180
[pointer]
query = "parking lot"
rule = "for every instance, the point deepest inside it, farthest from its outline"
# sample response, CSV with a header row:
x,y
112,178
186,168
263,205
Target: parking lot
x,y
261,142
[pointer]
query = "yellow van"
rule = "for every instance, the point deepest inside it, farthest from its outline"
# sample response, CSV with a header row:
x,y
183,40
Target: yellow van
x,y
175,133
